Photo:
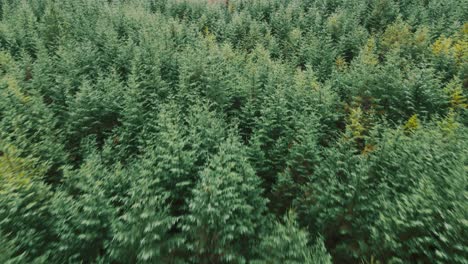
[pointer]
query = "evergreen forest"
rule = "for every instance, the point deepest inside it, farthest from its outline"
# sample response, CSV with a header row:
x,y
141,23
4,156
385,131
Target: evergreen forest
x,y
234,131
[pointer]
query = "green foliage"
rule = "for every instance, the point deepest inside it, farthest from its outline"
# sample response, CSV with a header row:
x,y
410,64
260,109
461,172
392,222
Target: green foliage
x,y
142,233
303,157
287,243
226,209
25,208
88,202
157,131
426,211
349,190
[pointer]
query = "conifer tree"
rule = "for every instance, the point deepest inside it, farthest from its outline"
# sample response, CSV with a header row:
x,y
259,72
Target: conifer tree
x,y
24,206
303,157
29,125
87,205
287,243
169,159
226,210
178,131
422,202
142,233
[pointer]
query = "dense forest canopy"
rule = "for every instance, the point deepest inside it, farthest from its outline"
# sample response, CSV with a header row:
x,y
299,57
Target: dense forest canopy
x,y
261,131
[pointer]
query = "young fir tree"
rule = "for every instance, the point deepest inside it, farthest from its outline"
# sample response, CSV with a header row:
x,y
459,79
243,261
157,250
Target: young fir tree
x,y
289,244
272,136
226,210
422,192
334,202
94,110
24,207
162,181
141,99
169,159
142,233
206,131
303,157
87,204
28,123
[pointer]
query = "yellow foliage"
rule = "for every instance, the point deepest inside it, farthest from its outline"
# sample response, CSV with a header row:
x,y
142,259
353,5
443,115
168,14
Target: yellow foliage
x,y
455,48
206,31
455,92
209,37
340,63
334,23
421,37
368,149
412,123
373,260
449,124
333,20
295,35
355,125
461,51
397,35
315,86
443,46
16,171
458,100
461,46
370,45
12,86
368,55
464,29
13,89
231,7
